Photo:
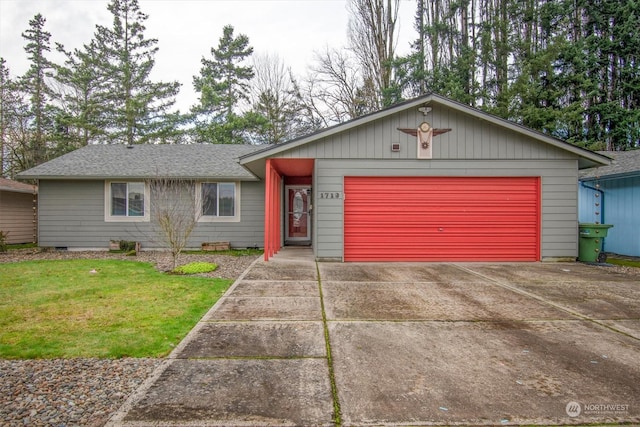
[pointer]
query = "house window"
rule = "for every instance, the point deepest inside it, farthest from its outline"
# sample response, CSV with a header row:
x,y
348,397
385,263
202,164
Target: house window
x,y
219,201
126,201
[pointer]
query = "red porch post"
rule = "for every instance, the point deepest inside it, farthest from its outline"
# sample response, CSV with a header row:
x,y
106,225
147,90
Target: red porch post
x,y
271,211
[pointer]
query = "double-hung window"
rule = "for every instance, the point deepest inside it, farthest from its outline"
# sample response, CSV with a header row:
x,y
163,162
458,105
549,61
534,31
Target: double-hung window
x,y
126,201
219,201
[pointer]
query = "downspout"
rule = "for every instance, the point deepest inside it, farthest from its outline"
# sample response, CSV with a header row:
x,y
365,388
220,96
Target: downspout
x,y
601,199
601,205
36,211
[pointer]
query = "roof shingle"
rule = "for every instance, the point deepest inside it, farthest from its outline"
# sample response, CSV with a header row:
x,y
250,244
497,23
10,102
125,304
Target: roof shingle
x,y
624,163
191,161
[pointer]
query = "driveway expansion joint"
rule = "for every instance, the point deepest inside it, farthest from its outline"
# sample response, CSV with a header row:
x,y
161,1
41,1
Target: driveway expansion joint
x,y
332,377
547,302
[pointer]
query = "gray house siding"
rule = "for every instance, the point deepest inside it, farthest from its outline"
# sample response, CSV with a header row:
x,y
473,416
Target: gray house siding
x,y
468,139
558,199
72,216
472,147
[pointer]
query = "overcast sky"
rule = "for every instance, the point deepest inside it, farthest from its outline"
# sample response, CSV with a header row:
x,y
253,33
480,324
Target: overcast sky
x,y
187,30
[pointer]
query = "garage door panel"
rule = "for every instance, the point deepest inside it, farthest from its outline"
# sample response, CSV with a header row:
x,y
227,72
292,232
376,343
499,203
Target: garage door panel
x,y
441,219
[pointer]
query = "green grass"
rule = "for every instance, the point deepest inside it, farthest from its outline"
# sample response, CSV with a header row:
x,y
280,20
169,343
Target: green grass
x,y
625,262
22,246
232,252
98,308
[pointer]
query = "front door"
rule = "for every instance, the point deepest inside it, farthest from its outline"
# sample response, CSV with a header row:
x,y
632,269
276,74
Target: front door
x,y
298,221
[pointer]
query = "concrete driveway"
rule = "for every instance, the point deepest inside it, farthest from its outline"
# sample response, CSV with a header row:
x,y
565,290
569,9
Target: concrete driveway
x,y
299,343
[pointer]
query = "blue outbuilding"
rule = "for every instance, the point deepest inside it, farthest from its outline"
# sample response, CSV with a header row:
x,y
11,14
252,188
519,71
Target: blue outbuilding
x,y
611,195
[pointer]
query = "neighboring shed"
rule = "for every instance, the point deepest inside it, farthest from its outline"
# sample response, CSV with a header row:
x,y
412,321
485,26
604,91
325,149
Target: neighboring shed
x,y
611,195
18,214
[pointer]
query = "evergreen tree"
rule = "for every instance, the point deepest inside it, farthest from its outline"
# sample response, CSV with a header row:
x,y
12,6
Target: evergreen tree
x,y
12,111
612,48
223,85
81,98
134,108
536,93
568,68
34,84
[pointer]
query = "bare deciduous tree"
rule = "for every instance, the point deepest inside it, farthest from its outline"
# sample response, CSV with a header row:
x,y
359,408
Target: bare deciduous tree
x,y
372,34
175,211
274,97
337,91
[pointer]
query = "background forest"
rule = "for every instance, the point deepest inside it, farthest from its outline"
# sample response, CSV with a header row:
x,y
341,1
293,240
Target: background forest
x,y
567,68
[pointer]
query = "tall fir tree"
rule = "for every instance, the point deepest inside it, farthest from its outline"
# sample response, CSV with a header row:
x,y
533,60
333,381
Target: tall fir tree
x,y
34,84
568,68
135,109
612,48
81,97
224,85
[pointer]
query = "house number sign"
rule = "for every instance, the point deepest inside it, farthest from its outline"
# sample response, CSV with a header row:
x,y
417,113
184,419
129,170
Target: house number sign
x,y
332,195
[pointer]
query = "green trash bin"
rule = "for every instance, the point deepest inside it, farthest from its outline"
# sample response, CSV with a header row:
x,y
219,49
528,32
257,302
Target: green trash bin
x,y
590,245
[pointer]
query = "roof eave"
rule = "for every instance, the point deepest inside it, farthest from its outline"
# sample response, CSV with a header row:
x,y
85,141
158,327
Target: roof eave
x,y
13,190
611,176
593,158
131,177
589,158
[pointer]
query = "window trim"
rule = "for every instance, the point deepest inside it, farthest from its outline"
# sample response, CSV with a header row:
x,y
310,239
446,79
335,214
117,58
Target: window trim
x,y
236,205
125,218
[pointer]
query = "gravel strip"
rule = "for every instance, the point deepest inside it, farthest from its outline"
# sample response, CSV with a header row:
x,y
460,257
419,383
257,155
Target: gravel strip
x,y
67,392
84,392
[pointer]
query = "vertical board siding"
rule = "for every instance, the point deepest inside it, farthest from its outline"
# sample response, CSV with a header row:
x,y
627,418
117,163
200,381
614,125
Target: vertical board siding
x,y
72,216
441,219
469,139
621,208
17,216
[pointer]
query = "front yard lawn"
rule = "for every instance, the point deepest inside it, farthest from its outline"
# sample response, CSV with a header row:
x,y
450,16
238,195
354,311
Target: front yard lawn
x,y
98,308
623,261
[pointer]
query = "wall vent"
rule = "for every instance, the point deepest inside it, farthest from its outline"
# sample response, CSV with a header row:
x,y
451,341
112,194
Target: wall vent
x,y
395,147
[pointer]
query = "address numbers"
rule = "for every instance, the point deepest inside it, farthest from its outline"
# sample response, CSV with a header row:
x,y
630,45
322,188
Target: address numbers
x,y
332,195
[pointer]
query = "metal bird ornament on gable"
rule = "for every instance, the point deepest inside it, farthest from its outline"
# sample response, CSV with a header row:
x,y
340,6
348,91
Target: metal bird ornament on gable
x,y
425,133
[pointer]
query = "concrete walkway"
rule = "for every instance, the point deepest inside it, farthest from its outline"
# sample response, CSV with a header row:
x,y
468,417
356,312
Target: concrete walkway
x,y
298,343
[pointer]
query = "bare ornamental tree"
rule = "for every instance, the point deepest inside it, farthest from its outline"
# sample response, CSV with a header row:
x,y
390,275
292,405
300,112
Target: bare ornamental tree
x,y
175,212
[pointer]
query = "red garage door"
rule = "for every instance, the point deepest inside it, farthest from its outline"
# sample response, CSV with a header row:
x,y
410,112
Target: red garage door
x,y
441,219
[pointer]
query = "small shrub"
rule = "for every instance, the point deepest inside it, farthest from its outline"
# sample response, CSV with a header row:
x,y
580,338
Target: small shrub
x,y
126,246
3,241
195,268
